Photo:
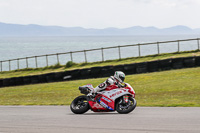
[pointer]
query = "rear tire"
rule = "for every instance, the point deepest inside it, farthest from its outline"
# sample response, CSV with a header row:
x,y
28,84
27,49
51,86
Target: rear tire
x,y
125,109
79,105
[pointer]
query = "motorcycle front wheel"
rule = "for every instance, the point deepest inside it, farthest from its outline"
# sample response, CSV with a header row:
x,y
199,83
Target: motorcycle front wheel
x,y
125,108
79,105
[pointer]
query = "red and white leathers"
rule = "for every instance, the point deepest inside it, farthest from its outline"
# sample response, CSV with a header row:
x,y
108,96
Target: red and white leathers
x,y
110,81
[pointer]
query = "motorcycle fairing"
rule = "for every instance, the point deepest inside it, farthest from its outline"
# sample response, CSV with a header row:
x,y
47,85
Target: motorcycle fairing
x,y
115,93
96,107
102,103
106,100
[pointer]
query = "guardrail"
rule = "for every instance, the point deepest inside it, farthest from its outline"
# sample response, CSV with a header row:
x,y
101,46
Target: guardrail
x,y
158,44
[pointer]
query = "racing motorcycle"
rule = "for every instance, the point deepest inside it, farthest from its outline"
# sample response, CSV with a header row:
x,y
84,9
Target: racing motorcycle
x,y
113,98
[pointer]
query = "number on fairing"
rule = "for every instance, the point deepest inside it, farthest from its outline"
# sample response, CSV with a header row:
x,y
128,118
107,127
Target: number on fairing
x,y
101,85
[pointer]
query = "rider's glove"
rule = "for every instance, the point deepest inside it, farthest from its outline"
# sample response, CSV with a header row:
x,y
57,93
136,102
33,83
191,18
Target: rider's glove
x,y
91,94
120,85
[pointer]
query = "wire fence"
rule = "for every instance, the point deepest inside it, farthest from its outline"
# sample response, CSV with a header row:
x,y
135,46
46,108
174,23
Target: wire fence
x,y
101,54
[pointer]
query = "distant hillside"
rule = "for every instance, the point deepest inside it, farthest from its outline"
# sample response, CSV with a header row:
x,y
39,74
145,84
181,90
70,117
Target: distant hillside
x,y
38,30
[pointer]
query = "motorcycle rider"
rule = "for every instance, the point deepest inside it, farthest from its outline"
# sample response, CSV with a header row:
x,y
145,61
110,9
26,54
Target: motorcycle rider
x,y
117,79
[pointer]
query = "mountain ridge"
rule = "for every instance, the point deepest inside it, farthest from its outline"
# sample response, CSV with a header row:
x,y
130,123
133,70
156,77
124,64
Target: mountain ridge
x,y
7,29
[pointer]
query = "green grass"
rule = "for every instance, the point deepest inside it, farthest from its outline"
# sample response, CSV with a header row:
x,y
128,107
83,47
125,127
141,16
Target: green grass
x,y
71,66
168,88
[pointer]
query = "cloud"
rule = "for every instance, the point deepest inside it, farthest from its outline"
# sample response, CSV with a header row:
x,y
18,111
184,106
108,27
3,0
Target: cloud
x,y
4,4
168,3
101,13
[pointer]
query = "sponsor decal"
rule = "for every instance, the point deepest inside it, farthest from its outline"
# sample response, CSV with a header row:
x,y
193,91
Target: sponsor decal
x,y
104,105
125,90
117,93
106,99
126,99
96,105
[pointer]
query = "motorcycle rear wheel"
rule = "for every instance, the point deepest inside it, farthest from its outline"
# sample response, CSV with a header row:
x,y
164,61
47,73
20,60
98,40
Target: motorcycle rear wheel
x,y
79,105
125,109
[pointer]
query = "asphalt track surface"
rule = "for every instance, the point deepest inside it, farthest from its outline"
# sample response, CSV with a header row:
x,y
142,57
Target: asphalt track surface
x,y
59,119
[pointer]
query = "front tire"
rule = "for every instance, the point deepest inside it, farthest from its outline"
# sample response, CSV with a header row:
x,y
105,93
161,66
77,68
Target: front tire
x,y
127,107
79,105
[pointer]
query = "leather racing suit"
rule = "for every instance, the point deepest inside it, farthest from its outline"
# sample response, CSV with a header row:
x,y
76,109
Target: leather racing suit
x,y
110,81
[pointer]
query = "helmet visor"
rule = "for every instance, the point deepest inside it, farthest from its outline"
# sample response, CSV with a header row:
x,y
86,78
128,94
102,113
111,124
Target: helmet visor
x,y
122,78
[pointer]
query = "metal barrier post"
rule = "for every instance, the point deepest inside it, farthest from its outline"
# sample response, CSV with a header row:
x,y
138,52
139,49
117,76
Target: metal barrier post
x,y
119,52
26,62
139,50
58,59
1,66
178,46
36,64
47,60
9,66
18,64
158,47
71,56
198,43
102,54
85,56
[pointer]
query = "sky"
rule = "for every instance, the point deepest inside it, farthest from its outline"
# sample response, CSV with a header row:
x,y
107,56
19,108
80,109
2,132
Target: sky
x,y
102,13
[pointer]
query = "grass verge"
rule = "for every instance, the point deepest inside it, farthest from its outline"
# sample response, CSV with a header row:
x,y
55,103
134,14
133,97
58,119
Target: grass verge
x,y
71,65
168,88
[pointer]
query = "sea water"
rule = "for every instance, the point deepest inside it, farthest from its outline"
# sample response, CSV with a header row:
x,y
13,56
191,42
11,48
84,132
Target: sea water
x,y
20,47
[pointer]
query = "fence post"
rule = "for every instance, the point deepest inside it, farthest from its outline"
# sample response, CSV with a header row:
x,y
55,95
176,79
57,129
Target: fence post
x,y
102,54
198,43
18,64
178,46
47,60
119,52
1,66
85,56
36,64
58,59
26,62
158,47
9,66
139,49
71,56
